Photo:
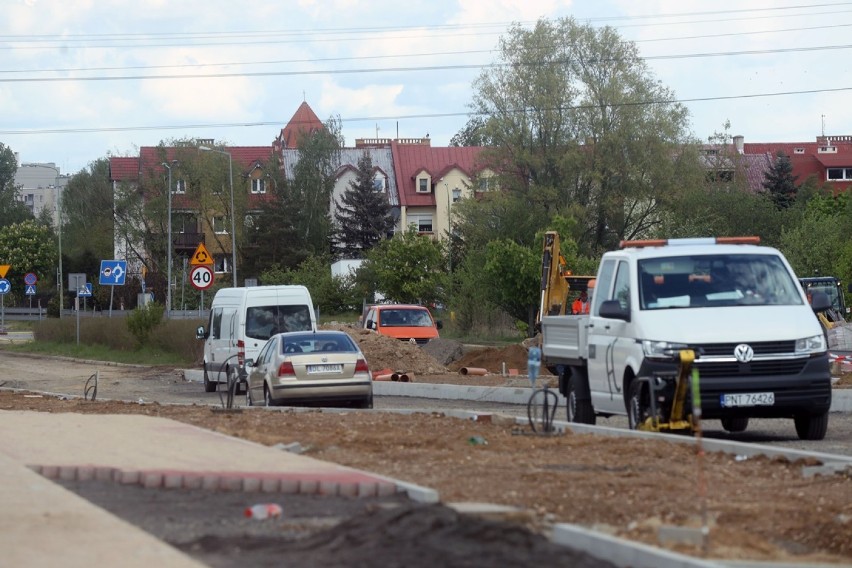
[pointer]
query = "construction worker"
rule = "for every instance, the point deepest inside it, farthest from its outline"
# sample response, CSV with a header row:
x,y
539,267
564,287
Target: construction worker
x,y
581,304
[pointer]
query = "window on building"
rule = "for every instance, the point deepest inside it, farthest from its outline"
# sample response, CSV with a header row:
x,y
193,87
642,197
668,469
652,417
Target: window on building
x,y
220,225
456,194
180,186
827,150
423,223
221,263
183,222
798,150
423,185
379,182
839,174
484,183
258,185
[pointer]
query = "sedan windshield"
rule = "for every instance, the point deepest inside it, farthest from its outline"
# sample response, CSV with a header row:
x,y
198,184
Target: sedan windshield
x,y
715,280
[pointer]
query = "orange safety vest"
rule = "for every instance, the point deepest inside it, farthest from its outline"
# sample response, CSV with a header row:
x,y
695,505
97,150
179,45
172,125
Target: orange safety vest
x,y
580,307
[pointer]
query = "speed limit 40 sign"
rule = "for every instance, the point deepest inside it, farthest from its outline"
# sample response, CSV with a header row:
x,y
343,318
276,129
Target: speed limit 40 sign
x,y
201,276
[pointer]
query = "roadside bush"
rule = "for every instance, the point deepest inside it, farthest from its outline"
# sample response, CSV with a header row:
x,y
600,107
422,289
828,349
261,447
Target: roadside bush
x,y
142,321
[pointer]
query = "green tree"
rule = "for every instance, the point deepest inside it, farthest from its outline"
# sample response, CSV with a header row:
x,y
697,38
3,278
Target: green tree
x,y
363,214
272,237
27,247
474,133
572,125
780,183
513,274
12,210
331,294
87,212
313,183
819,244
409,268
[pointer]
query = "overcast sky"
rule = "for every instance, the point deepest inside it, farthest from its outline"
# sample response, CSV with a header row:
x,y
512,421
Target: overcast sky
x,y
77,79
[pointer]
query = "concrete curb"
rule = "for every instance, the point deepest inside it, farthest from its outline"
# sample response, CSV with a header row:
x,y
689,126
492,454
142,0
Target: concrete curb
x,y
624,553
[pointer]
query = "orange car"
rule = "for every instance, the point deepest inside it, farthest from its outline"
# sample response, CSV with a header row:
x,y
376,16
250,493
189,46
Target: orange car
x,y
407,322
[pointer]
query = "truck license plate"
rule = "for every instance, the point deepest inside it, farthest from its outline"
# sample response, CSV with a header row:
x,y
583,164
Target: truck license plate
x,y
748,399
312,369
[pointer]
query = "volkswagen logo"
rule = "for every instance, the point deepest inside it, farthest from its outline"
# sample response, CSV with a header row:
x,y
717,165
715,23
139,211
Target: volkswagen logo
x,y
325,359
744,353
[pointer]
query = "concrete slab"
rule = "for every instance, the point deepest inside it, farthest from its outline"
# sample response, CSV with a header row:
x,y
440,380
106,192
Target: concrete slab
x,y
44,525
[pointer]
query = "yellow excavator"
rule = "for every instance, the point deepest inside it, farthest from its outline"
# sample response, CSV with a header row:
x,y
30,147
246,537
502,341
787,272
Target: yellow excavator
x,y
832,287
557,280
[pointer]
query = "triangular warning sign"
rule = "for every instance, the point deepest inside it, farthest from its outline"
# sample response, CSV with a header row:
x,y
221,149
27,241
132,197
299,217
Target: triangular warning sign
x,y
4,268
201,256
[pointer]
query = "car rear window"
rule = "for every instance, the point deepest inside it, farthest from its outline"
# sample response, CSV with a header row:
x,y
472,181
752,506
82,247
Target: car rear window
x,y
314,343
262,322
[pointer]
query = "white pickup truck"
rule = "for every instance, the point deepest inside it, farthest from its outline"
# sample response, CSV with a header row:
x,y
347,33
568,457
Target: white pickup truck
x,y
760,349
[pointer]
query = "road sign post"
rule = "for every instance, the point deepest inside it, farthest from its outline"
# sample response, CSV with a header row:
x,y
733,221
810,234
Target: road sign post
x,y
113,273
5,287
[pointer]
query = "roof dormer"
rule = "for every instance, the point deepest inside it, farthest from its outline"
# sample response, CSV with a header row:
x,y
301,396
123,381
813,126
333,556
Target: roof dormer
x,y
423,182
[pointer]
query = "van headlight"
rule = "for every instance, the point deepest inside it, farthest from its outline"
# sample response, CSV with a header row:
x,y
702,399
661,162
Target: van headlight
x,y
661,349
813,344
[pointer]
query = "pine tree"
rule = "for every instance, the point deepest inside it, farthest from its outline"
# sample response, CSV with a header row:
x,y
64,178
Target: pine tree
x,y
363,214
780,183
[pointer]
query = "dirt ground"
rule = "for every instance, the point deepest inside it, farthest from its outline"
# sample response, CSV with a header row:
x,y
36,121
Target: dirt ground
x,y
756,508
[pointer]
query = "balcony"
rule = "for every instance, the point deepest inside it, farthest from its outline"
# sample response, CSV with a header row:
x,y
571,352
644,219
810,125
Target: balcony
x,y
187,241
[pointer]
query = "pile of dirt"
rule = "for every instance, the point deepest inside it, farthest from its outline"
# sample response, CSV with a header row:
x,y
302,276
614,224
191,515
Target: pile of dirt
x,y
445,351
383,352
492,359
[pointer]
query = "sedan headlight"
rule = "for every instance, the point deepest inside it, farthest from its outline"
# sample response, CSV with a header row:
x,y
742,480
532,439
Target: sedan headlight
x,y
813,344
661,349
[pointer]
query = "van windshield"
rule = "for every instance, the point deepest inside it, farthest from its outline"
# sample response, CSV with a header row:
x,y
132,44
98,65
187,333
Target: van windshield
x,y
405,317
262,322
716,280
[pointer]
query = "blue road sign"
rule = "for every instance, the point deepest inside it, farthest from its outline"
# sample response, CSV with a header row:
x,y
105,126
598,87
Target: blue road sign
x,y
113,272
5,286
30,279
30,291
85,291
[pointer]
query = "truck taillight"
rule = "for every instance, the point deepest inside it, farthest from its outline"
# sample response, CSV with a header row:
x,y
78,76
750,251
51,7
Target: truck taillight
x,y
361,366
286,370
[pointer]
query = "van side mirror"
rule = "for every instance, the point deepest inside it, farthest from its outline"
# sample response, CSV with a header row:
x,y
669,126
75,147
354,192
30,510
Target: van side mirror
x,y
371,324
200,332
439,324
612,309
820,302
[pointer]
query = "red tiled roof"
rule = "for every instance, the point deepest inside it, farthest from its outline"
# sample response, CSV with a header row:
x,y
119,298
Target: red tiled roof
x,y
808,161
304,120
123,169
410,159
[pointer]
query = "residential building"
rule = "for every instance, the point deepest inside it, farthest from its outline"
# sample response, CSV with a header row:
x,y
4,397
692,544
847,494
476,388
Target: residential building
x,y
40,186
828,159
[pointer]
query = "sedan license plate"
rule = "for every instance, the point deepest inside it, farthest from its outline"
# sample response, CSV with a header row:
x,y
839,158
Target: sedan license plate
x,y
748,399
314,369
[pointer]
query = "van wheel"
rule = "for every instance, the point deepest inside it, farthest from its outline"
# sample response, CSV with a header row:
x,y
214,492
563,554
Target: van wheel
x,y
811,426
208,386
639,405
579,410
735,424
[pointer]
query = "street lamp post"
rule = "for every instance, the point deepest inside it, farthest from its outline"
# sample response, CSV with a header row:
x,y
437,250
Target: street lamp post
x,y
233,213
169,244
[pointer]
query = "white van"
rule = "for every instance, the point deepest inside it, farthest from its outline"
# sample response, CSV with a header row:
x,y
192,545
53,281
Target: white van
x,y
242,319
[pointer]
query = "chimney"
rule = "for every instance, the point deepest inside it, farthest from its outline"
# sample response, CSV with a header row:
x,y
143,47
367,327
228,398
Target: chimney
x,y
739,141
